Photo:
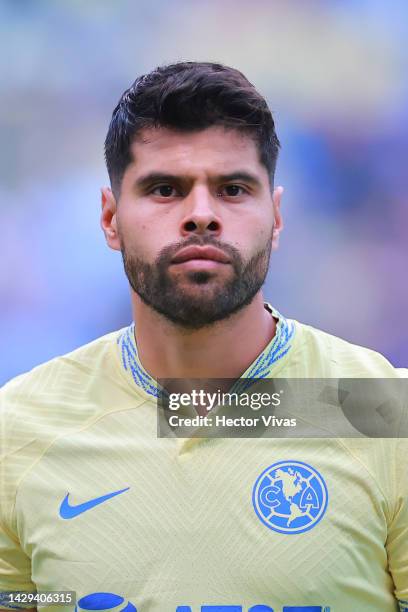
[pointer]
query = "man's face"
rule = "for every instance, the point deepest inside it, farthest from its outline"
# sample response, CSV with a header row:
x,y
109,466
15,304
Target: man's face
x,y
201,189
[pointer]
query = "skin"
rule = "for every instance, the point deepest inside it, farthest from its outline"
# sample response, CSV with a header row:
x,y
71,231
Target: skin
x,y
197,206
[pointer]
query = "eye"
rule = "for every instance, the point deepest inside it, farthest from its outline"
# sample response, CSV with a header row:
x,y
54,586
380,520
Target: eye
x,y
232,191
164,191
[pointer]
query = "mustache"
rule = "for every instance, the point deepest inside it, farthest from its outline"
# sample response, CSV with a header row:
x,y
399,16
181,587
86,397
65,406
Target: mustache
x,y
168,252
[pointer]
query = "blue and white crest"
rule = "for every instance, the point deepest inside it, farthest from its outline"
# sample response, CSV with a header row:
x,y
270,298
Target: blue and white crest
x,y
290,497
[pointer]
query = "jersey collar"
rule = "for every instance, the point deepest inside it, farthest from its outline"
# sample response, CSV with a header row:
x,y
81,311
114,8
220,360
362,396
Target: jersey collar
x,y
264,366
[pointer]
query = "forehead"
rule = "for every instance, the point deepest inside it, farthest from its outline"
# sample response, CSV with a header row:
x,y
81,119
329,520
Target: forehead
x,y
214,149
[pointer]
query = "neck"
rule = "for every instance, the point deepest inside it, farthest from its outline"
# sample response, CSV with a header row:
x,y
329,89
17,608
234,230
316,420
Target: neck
x,y
224,350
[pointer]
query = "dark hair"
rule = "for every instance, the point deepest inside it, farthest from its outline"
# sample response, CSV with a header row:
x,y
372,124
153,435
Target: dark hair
x,y
189,96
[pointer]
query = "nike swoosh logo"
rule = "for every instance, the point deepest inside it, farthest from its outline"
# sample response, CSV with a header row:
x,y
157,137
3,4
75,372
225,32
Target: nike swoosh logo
x,y
68,512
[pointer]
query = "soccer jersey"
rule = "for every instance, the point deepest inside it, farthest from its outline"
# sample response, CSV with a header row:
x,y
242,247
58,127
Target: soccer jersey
x,y
93,501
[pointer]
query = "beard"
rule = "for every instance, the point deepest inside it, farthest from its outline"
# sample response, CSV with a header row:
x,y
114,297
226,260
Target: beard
x,y
196,299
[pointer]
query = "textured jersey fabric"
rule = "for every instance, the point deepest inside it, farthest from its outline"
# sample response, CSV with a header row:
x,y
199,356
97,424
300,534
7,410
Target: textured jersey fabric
x,y
92,501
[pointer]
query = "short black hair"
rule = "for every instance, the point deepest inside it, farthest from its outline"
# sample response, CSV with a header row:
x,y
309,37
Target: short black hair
x,y
189,96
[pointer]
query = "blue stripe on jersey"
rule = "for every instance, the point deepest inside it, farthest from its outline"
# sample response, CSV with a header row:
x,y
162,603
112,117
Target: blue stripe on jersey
x,y
130,361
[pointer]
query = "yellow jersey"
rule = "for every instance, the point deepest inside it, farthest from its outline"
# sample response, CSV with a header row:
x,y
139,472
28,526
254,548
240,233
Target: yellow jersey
x,y
93,501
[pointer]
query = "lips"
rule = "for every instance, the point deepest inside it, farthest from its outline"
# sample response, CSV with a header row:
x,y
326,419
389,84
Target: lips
x,y
197,252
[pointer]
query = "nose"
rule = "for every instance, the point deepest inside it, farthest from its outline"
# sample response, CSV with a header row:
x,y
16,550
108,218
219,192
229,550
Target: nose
x,y
201,214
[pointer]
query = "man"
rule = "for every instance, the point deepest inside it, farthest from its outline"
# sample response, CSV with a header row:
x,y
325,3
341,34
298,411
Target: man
x,y
92,500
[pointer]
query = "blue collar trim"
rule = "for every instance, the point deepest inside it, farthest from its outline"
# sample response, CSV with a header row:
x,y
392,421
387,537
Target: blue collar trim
x,y
261,368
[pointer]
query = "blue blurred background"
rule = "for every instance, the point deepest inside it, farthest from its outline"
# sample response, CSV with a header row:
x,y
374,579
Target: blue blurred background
x,y
336,76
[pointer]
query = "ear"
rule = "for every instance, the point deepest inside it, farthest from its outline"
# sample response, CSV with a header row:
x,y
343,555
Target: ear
x,y
109,218
278,221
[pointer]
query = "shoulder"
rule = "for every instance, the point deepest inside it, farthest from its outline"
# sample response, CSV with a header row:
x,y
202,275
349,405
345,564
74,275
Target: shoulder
x,y
63,370
331,356
53,400
64,391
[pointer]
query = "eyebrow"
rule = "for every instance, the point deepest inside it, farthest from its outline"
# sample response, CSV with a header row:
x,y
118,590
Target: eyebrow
x,y
159,177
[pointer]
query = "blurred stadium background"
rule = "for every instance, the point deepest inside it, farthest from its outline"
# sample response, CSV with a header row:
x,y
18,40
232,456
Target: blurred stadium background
x,y
336,76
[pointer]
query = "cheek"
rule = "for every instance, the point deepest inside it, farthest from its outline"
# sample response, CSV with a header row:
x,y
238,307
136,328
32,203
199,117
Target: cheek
x,y
265,231
144,240
259,231
141,220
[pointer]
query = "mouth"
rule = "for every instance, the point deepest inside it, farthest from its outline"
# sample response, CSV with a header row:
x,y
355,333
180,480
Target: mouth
x,y
200,256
